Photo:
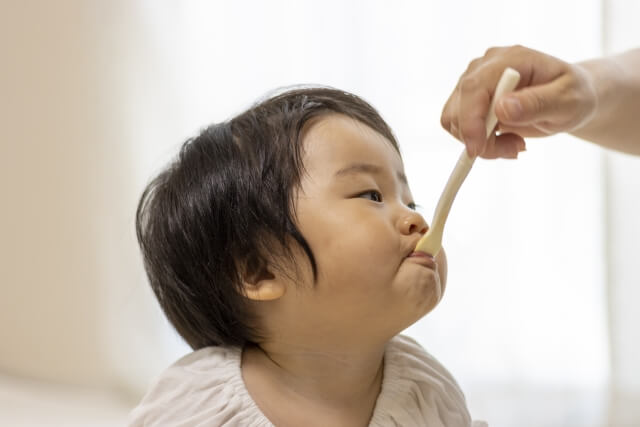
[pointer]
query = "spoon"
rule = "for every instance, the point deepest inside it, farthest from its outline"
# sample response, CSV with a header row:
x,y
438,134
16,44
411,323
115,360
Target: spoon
x,y
431,242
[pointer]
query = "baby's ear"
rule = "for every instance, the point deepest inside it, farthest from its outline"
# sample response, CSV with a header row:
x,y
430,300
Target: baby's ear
x,y
260,284
264,290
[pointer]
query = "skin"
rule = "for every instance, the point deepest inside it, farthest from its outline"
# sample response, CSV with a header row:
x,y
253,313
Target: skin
x,y
323,359
595,100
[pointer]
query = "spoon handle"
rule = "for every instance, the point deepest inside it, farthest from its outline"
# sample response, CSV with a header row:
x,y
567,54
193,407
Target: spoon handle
x,y
431,242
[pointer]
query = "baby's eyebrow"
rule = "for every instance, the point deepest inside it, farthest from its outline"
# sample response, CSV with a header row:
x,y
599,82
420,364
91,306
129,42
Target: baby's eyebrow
x,y
369,168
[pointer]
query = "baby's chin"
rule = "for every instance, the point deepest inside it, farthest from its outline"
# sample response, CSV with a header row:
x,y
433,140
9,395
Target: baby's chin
x,y
423,292
434,298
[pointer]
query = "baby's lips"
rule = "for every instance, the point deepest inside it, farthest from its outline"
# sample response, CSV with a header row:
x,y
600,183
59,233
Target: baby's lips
x,y
414,252
421,254
424,258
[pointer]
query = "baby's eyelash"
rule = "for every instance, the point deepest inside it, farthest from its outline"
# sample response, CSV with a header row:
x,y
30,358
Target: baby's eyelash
x,y
377,195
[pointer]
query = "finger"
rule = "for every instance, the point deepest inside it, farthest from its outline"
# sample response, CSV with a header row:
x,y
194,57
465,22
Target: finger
x,y
455,121
490,145
447,115
471,110
534,104
476,92
455,131
505,146
451,123
523,131
477,85
450,111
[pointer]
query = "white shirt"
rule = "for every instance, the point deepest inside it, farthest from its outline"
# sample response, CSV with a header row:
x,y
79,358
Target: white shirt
x,y
205,388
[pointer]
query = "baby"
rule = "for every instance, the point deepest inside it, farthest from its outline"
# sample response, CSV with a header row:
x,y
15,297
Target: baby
x,y
280,245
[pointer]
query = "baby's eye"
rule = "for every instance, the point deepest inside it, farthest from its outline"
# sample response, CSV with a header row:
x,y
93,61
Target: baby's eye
x,y
412,206
373,195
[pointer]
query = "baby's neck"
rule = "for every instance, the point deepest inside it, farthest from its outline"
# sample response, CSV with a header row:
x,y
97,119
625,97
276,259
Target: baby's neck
x,y
294,386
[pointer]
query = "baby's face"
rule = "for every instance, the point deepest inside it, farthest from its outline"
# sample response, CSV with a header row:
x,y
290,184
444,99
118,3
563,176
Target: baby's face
x,y
354,208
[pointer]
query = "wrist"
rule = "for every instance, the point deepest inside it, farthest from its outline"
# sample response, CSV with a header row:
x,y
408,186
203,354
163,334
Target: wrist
x,y
601,78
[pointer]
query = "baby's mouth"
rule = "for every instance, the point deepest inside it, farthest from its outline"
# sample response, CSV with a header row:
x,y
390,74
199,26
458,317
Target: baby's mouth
x,y
423,258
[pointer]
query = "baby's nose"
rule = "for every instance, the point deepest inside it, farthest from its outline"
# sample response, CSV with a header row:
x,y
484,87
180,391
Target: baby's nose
x,y
414,223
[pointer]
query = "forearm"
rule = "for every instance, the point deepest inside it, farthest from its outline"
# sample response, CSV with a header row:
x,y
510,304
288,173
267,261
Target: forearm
x,y
616,122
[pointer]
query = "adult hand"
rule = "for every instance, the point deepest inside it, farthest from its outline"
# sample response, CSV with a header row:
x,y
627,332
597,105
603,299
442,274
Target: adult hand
x,y
552,96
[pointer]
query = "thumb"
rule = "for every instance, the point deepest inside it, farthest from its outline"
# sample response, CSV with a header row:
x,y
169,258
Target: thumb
x,y
531,105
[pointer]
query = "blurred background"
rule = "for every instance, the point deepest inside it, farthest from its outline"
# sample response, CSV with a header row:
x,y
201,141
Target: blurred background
x,y
540,321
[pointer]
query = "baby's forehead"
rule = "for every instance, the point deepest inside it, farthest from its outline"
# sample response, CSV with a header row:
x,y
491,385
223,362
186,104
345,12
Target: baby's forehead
x,y
334,140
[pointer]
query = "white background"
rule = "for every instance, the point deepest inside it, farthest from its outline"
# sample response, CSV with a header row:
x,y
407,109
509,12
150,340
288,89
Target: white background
x,y
537,323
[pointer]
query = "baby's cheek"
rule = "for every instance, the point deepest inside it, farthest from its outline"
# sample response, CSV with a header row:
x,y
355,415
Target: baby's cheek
x,y
361,268
362,252
361,243
441,260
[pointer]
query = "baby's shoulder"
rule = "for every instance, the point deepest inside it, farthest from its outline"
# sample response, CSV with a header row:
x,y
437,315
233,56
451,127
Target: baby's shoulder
x,y
204,386
209,366
406,351
209,358
418,387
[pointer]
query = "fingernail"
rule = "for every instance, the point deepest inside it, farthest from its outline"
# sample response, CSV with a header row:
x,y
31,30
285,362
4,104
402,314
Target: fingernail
x,y
522,146
512,108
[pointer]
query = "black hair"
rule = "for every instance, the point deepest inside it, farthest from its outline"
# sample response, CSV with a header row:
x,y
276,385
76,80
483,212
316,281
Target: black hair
x,y
213,215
